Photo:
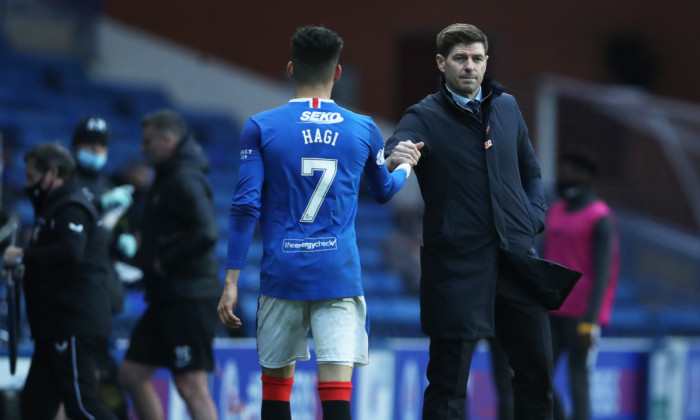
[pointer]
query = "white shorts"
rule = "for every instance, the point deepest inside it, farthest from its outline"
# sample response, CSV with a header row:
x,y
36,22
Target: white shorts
x,y
338,327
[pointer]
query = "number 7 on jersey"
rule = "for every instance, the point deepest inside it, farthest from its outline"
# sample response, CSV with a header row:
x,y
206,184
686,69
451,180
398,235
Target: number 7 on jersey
x,y
308,167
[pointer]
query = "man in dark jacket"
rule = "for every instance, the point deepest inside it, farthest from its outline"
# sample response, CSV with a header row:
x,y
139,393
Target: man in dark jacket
x,y
90,147
484,205
180,273
65,286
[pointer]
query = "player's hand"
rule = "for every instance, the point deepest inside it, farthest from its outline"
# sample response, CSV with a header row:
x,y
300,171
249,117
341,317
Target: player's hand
x,y
228,302
404,152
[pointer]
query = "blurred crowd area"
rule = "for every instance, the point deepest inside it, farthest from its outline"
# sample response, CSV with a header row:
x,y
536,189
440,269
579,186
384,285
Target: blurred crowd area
x,y
649,164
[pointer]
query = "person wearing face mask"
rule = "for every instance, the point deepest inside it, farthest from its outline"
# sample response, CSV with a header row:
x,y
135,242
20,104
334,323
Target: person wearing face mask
x,y
90,145
581,234
65,286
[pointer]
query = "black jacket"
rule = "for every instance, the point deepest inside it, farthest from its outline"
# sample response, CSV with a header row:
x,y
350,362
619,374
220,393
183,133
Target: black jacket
x,y
65,282
93,185
482,189
179,230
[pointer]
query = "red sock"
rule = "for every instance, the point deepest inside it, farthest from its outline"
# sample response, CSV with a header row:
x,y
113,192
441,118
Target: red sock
x,y
277,389
335,391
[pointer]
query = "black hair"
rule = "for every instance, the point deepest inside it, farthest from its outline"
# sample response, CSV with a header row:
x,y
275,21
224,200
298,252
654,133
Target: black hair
x,y
166,121
582,160
315,53
48,155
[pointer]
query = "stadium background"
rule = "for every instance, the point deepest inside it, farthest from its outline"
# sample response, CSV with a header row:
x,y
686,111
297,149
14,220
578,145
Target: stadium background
x,y
620,77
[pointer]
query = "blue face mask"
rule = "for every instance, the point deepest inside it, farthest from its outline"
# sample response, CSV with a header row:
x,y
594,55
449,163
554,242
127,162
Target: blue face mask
x,y
91,161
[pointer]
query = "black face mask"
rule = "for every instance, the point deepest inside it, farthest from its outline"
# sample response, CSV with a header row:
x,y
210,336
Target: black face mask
x,y
570,190
35,193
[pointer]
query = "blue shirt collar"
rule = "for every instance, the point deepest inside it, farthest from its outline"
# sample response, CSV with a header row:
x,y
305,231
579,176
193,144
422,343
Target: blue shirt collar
x,y
461,100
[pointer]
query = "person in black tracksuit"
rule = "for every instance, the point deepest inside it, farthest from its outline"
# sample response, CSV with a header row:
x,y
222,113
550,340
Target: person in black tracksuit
x,y
90,147
484,204
178,239
65,285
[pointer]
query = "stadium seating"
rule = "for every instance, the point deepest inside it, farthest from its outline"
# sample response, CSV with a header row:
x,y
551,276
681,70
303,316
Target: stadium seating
x,y
41,98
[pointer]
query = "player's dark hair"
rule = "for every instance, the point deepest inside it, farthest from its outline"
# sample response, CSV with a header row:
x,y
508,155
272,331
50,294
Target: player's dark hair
x,y
315,53
459,33
582,160
49,155
166,121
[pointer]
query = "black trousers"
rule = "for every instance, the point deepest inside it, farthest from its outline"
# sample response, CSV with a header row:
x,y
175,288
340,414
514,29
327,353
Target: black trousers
x,y
63,371
522,327
502,377
565,338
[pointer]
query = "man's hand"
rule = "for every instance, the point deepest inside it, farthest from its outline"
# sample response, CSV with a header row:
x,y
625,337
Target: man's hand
x,y
229,300
12,261
12,256
404,152
588,334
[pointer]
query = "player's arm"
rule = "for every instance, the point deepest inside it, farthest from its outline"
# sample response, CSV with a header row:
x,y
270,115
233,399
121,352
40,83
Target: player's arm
x,y
72,226
406,145
245,211
382,183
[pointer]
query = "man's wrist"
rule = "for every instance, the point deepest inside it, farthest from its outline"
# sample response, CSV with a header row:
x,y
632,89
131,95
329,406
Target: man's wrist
x,y
390,164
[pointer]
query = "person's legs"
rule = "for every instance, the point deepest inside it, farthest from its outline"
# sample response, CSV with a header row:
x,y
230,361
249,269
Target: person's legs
x,y
502,376
448,372
335,391
277,390
192,387
75,361
560,343
39,398
137,378
578,374
282,327
340,337
188,332
143,357
522,326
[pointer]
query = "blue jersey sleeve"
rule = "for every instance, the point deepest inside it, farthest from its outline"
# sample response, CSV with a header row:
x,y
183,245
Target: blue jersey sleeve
x,y
382,184
245,205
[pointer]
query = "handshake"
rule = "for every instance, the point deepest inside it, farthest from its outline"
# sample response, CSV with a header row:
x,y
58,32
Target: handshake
x,y
405,156
117,198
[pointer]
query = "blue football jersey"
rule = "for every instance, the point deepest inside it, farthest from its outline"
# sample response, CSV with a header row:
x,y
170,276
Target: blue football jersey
x,y
300,173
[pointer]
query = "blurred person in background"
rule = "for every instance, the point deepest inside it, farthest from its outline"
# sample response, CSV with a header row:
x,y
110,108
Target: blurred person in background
x,y
300,172
180,275
581,234
90,147
66,291
484,204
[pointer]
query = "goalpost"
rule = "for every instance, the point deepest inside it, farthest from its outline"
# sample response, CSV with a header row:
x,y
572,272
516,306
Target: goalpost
x,y
648,146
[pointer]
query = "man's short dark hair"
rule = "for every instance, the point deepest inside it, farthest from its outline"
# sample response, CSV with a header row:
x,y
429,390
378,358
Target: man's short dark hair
x,y
166,121
315,53
49,155
460,33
